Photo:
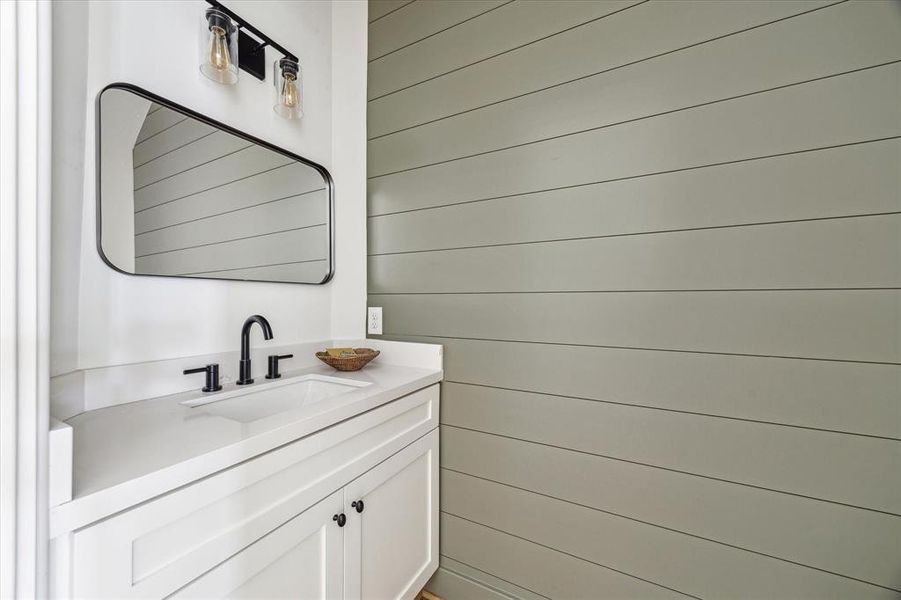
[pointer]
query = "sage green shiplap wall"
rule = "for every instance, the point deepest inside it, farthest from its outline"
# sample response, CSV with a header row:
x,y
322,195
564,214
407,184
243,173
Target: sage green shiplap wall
x,y
661,244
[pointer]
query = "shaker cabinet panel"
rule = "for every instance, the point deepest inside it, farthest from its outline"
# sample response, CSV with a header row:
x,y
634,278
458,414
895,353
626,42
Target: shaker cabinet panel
x,y
392,545
302,559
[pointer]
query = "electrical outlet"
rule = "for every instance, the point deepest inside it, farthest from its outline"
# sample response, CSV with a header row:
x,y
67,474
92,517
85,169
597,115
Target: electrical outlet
x,y
374,320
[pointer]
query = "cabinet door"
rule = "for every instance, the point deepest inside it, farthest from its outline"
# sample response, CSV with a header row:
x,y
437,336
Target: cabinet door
x,y
392,545
302,559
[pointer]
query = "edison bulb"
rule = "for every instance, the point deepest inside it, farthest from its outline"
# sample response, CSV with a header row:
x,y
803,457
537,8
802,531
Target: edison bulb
x,y
288,99
218,49
220,59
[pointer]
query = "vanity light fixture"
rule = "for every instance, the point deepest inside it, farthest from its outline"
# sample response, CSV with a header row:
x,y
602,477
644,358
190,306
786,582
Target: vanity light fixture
x,y
219,61
287,89
229,48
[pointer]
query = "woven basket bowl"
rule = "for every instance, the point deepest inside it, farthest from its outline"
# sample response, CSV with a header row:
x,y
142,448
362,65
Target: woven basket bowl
x,y
349,363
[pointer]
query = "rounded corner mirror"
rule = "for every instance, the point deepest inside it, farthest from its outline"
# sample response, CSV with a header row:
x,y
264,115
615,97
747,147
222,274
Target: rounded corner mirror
x,y
180,195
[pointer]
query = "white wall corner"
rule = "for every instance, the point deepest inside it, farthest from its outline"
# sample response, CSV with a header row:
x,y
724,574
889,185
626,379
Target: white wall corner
x,y
349,64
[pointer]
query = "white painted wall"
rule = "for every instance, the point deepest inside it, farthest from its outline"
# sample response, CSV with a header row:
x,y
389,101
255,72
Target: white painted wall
x,y
349,66
70,103
104,318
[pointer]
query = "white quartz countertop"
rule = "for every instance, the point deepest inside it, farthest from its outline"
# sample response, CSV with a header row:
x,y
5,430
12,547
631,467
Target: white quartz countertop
x,y
128,453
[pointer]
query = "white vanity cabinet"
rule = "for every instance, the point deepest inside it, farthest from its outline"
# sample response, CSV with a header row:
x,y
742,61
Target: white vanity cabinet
x,y
387,551
304,558
271,526
391,547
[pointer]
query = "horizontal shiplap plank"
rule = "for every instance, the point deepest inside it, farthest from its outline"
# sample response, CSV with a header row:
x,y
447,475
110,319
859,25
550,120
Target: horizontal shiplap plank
x,y
637,33
224,171
295,212
379,9
857,543
832,253
837,467
158,121
277,248
510,26
543,570
313,271
199,152
458,580
810,185
857,107
859,325
185,132
584,380
852,397
692,565
421,20
860,35
292,180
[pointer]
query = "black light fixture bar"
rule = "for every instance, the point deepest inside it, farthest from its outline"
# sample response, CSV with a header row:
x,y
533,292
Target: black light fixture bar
x,y
251,57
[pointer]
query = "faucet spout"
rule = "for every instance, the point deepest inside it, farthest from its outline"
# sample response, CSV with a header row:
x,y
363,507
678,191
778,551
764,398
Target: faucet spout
x,y
244,373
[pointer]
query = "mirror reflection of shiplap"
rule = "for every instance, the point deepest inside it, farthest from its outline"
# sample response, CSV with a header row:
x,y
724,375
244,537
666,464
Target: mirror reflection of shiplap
x,y
207,203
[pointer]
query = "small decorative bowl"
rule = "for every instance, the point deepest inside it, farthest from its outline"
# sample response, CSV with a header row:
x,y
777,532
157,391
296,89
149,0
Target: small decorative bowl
x,y
349,363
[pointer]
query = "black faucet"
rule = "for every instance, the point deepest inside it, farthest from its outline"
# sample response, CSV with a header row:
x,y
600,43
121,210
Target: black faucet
x,y
244,374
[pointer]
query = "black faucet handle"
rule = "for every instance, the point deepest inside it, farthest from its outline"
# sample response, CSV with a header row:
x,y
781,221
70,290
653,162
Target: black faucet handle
x,y
273,365
212,376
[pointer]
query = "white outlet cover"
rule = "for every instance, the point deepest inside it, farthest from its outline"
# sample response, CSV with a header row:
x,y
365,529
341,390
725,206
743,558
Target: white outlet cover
x,y
374,320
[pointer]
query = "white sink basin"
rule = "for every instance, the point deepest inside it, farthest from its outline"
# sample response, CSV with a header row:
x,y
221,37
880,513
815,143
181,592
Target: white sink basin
x,y
259,401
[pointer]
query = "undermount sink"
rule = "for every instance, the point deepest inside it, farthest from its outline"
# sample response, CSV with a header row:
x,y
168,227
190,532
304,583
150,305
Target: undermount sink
x,y
263,400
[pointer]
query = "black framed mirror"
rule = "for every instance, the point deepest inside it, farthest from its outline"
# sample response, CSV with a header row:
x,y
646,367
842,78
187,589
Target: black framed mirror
x,y
182,195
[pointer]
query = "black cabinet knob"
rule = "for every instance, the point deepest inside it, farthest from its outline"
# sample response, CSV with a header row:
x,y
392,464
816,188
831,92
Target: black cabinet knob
x,y
273,365
357,504
340,519
212,377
